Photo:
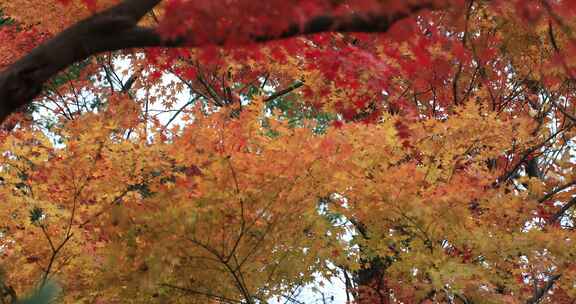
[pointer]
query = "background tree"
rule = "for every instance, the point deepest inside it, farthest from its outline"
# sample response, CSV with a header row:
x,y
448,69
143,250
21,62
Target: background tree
x,y
419,150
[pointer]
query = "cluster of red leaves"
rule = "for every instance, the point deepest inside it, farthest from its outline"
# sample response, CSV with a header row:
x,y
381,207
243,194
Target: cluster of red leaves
x,y
90,4
216,21
356,94
21,41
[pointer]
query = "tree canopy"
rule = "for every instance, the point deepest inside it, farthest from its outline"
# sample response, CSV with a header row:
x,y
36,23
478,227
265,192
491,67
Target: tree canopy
x,y
239,151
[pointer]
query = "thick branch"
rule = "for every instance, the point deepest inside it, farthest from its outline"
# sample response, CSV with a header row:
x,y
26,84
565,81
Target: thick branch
x,y
541,292
112,29
116,29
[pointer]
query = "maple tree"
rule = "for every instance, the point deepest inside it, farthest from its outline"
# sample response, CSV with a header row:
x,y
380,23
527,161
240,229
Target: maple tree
x,y
235,151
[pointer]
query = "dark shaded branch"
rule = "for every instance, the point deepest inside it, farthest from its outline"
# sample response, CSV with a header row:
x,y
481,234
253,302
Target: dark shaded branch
x,y
112,29
525,157
283,92
550,194
541,292
202,293
554,218
129,83
116,29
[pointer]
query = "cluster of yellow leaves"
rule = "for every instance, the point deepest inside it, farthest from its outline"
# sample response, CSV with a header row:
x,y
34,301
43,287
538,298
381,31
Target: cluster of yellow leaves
x,y
222,209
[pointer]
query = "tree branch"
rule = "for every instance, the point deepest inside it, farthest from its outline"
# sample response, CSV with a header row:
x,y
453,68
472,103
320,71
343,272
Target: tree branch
x,y
555,191
285,91
556,216
541,292
116,29
202,293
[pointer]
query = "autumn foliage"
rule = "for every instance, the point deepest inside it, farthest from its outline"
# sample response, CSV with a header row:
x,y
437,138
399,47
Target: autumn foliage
x,y
418,151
